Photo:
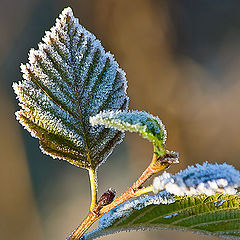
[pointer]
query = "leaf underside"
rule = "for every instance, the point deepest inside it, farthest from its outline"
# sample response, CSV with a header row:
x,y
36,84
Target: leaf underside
x,y
217,215
67,80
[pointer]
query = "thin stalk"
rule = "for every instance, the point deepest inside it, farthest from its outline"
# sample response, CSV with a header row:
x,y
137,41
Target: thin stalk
x,y
144,190
93,182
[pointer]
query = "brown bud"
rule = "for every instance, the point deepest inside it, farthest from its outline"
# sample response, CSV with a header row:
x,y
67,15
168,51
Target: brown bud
x,y
106,198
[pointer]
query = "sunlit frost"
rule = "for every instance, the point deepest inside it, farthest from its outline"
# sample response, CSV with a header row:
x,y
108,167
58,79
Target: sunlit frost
x,y
200,179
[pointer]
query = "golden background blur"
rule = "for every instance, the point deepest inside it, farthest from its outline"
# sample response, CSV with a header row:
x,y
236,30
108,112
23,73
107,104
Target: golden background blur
x,y
182,62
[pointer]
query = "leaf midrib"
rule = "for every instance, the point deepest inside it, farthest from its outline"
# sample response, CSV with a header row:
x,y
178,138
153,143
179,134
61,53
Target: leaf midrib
x,y
80,111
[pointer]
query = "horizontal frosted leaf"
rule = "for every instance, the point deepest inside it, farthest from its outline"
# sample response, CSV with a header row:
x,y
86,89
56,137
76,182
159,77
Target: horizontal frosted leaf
x,y
68,79
145,124
207,178
217,215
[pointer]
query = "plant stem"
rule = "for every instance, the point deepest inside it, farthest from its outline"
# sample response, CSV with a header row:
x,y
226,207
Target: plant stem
x,y
133,191
84,226
93,182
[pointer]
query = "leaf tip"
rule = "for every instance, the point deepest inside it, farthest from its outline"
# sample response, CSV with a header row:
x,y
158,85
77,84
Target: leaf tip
x,y
67,11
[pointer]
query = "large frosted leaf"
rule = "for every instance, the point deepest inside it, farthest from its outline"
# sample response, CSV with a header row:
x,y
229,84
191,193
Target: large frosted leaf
x,y
217,215
145,124
67,80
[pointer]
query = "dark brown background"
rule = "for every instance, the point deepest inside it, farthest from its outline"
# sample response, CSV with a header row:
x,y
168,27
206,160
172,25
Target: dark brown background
x,y
182,63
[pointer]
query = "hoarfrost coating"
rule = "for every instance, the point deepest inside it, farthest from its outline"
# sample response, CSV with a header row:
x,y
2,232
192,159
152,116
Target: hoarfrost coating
x,y
147,125
200,179
68,79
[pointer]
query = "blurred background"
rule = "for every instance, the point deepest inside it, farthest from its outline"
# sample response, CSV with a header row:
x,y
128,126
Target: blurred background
x,y
182,62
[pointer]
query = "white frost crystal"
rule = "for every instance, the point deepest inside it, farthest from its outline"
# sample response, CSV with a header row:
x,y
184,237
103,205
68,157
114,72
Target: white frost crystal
x,y
200,179
67,80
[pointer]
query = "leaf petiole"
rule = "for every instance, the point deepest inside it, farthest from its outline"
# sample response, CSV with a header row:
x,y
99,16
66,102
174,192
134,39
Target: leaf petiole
x,y
93,183
144,190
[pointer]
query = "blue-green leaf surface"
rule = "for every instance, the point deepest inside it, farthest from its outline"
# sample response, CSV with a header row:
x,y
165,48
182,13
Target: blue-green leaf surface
x,y
68,79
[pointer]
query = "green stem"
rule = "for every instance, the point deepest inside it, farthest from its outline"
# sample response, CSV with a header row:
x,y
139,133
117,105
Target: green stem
x,y
93,182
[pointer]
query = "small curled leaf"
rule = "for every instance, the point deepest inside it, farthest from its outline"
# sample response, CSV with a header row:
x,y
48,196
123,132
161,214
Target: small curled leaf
x,y
67,80
145,124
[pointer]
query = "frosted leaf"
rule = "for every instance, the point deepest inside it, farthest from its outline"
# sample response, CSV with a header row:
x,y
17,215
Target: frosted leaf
x,y
216,215
200,179
68,79
145,124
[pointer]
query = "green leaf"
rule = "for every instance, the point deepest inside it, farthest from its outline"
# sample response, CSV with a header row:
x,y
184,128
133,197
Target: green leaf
x,y
216,215
67,80
145,124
